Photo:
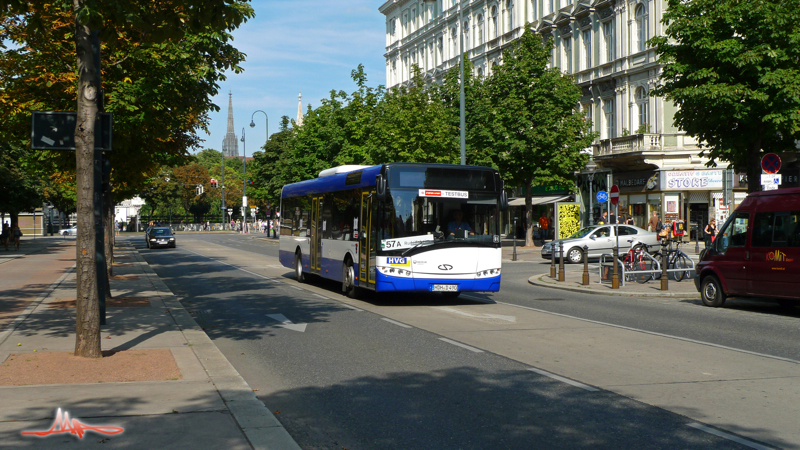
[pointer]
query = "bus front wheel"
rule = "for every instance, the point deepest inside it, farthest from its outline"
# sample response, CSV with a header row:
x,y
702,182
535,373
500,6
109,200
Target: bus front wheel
x,y
298,268
348,279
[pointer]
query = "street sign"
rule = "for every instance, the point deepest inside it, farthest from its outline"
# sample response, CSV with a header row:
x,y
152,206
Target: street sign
x,y
55,130
771,179
770,163
614,195
602,197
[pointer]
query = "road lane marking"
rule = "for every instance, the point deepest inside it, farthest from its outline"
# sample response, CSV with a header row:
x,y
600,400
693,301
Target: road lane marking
x,y
563,380
653,333
728,436
321,296
351,307
459,344
288,324
477,316
396,323
296,288
231,265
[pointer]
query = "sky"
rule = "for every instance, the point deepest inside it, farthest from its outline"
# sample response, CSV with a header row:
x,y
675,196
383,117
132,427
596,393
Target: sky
x,y
293,46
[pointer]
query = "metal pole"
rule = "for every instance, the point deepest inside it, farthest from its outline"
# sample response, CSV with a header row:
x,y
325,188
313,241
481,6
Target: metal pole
x,y
585,265
461,94
561,274
223,191
244,183
591,180
514,256
253,124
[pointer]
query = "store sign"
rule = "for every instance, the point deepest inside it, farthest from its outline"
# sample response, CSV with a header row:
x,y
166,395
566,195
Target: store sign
x,y
636,181
692,179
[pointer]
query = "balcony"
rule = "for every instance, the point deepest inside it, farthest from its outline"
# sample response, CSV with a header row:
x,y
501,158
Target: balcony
x,y
645,142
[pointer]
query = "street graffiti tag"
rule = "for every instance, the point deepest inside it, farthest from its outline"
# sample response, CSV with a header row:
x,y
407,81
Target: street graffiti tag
x,y
63,425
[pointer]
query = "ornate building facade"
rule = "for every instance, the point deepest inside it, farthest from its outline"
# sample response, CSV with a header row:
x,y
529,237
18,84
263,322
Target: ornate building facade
x,y
602,44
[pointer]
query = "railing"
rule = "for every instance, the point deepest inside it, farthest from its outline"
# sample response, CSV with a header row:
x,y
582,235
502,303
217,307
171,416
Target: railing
x,y
635,143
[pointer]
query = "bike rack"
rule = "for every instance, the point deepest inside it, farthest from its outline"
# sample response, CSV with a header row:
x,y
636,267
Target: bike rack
x,y
657,270
610,265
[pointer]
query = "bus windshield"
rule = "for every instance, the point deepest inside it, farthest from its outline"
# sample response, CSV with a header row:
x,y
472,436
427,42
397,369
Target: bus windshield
x,y
452,215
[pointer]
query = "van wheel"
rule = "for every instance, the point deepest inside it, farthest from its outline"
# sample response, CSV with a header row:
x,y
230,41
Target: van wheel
x,y
299,274
786,303
348,279
711,292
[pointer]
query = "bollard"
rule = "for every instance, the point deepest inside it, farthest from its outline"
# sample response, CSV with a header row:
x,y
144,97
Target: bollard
x,y
585,265
664,280
514,255
561,274
615,274
697,239
553,260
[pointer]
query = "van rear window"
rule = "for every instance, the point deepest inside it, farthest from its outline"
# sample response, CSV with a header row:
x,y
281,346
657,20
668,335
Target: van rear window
x,y
777,229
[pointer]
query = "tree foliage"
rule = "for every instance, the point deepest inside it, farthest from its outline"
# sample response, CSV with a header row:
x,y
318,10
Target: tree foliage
x,y
733,69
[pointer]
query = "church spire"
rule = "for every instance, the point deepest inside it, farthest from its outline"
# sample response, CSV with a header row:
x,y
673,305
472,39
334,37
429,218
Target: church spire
x,y
299,120
230,145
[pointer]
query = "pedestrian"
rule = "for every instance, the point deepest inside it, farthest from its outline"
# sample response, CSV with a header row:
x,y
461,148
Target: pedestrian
x,y
4,235
544,224
603,220
710,232
629,221
16,233
653,222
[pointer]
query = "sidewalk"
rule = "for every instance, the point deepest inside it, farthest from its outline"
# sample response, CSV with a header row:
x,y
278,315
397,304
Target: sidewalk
x,y
162,380
573,282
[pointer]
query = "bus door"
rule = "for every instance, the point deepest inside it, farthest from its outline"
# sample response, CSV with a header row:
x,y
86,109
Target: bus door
x,y
316,235
367,238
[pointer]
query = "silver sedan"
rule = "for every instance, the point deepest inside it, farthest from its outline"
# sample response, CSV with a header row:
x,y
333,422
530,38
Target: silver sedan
x,y
69,231
600,239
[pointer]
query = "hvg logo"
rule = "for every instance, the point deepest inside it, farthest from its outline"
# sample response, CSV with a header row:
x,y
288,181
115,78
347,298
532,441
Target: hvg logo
x,y
397,261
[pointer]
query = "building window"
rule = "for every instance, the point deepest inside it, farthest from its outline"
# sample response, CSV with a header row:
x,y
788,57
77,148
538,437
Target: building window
x,y
479,37
534,16
641,28
587,112
642,105
567,54
454,42
480,72
587,49
466,35
608,112
494,22
393,26
608,38
509,16
439,49
552,5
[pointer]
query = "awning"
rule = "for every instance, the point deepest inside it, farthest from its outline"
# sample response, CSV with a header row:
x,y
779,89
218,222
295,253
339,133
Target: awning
x,y
539,199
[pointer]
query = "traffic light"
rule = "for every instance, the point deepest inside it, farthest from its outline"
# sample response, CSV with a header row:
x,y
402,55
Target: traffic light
x,y
199,190
213,183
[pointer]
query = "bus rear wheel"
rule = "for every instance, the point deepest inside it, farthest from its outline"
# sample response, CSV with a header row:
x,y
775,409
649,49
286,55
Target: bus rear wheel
x,y
348,279
299,274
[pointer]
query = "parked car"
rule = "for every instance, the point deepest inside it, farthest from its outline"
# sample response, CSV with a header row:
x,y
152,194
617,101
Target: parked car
x,y
599,239
160,237
73,231
756,253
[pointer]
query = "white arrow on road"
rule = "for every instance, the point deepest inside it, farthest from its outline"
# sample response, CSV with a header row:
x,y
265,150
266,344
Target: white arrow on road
x,y
286,323
479,316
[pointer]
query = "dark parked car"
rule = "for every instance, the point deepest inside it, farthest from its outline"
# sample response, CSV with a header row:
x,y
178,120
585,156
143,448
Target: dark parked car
x,y
160,237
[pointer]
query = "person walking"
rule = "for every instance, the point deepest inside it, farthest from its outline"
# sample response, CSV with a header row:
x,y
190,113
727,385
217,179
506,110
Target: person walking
x,y
710,232
16,234
544,225
653,222
4,235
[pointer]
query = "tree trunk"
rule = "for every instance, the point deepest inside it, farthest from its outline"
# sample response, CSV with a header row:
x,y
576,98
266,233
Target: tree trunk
x,y
754,167
528,214
87,328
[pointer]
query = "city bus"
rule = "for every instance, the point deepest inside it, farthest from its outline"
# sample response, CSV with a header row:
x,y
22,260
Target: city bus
x,y
406,227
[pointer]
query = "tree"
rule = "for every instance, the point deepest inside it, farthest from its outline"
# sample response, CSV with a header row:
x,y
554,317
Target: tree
x,y
190,27
732,69
532,126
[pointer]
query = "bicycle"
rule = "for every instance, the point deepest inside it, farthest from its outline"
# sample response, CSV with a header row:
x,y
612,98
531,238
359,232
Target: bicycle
x,y
675,259
637,259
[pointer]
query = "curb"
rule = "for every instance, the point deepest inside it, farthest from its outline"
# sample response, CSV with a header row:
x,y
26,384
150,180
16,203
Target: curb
x,y
35,304
257,423
536,280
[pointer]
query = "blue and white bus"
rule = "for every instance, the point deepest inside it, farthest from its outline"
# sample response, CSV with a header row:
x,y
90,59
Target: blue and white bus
x,y
396,227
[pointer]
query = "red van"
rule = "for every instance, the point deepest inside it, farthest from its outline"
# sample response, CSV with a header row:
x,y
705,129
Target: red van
x,y
756,252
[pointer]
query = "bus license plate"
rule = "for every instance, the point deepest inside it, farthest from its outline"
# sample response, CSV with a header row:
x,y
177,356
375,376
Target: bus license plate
x,y
445,288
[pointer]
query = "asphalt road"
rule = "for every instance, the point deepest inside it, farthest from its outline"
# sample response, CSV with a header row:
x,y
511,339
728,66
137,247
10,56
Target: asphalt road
x,y
358,377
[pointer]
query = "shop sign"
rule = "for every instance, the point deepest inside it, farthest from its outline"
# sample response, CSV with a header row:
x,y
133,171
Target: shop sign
x,y
692,180
636,181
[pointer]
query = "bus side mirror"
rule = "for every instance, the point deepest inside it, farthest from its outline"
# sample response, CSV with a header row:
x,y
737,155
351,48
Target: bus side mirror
x,y
380,187
504,201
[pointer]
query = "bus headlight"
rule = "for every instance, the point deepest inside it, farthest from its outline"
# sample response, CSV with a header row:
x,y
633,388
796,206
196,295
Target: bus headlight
x,y
488,273
395,271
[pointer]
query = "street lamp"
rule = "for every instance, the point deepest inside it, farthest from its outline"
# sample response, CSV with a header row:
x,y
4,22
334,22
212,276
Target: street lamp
x,y
462,120
590,168
244,183
253,124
